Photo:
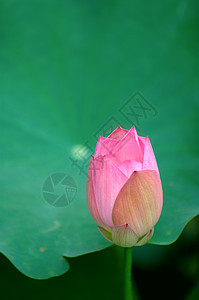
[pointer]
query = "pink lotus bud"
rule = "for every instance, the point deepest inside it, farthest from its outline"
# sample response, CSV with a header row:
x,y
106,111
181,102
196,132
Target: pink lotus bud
x,y
124,191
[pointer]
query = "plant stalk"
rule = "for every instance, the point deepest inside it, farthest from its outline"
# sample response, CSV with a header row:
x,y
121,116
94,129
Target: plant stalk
x,y
128,292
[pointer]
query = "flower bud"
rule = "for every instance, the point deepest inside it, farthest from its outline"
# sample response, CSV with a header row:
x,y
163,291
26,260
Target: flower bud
x,y
124,191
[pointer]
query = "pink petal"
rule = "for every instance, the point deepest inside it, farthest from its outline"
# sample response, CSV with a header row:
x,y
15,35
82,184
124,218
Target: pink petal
x,y
108,181
92,206
118,133
149,161
104,146
128,148
139,202
129,166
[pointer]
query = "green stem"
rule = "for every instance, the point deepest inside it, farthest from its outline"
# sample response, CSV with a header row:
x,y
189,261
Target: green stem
x,y
128,293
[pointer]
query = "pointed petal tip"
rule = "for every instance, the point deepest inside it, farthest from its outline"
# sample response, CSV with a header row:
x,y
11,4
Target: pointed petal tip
x,y
118,133
133,129
120,127
101,138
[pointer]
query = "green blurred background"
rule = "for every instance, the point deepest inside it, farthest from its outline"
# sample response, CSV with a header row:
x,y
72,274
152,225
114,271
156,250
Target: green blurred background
x,y
66,69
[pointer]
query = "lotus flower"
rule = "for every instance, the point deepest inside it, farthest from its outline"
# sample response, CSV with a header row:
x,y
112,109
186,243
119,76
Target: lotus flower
x,y
124,191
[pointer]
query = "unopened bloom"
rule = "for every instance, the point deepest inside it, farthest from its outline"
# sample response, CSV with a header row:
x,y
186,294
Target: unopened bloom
x,y
124,191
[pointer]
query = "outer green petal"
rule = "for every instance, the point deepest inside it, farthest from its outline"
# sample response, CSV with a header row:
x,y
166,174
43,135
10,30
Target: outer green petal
x,y
145,239
124,236
106,234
